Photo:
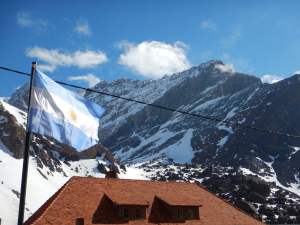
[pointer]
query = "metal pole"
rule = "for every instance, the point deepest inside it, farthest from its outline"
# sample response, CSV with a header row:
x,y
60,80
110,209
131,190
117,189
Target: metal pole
x,y
26,153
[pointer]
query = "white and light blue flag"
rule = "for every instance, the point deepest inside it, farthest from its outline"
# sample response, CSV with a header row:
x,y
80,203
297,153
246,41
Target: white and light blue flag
x,y
62,114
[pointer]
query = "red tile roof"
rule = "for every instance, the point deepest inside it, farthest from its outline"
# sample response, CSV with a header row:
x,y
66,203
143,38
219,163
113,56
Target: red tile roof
x,y
80,197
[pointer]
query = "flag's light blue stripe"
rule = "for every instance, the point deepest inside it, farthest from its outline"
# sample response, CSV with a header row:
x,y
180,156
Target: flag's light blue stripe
x,y
49,116
43,82
45,124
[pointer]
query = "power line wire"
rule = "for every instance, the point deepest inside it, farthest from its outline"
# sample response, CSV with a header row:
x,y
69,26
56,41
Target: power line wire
x,y
218,120
15,71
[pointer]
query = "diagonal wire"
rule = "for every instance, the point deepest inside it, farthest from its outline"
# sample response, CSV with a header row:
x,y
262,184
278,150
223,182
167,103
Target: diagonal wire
x,y
218,120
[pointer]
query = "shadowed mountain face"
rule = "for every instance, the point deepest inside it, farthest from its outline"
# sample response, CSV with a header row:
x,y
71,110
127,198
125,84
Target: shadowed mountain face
x,y
136,133
222,157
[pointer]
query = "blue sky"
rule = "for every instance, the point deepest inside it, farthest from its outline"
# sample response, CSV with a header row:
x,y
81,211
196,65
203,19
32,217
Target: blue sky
x,y
84,41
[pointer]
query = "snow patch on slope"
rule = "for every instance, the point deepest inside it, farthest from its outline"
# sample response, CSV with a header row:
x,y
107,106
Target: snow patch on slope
x,y
251,95
182,151
20,116
222,141
231,113
209,103
272,177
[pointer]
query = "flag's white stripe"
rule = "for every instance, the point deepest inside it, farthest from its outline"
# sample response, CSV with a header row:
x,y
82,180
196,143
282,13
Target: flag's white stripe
x,y
84,120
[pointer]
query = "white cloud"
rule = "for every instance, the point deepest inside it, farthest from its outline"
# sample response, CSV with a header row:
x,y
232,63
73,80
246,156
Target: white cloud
x,y
208,25
154,59
54,58
83,27
227,68
270,79
296,72
24,19
90,78
46,68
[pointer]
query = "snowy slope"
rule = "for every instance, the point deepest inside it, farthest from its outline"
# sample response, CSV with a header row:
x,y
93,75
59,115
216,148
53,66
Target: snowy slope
x,y
118,111
17,113
40,187
43,181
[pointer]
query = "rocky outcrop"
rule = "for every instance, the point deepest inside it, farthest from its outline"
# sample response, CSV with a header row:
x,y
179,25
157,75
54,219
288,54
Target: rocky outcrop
x,y
12,134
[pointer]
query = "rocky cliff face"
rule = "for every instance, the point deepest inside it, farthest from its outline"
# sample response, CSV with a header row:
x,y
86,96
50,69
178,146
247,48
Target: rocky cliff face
x,y
12,132
258,171
20,97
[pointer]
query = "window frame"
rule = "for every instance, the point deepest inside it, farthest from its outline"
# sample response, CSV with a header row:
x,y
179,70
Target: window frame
x,y
123,212
179,213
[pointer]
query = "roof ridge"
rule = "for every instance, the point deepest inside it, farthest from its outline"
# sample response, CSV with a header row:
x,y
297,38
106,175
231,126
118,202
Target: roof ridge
x,y
127,179
59,192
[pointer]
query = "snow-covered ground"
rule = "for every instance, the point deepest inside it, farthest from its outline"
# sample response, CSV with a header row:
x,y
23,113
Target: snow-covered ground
x,y
41,184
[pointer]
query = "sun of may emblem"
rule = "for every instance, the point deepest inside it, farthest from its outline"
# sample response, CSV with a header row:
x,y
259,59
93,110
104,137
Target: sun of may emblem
x,y
73,115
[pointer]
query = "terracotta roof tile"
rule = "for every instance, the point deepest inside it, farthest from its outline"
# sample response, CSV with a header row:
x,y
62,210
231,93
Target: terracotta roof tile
x,y
80,197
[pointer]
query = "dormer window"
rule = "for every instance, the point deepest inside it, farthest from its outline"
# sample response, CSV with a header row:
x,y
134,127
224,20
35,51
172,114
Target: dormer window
x,y
185,212
123,213
179,213
138,213
169,210
192,213
131,212
165,209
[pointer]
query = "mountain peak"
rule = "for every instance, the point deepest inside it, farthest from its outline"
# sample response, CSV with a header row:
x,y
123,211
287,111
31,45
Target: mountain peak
x,y
215,66
210,63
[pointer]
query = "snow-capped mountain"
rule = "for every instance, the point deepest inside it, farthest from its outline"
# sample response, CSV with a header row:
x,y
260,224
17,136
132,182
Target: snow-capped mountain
x,y
139,134
257,171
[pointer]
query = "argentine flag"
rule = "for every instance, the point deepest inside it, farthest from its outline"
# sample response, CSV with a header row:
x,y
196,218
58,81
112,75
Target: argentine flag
x,y
63,114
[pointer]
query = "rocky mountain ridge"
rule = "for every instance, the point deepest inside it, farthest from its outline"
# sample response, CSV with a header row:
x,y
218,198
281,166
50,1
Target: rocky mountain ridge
x,y
229,160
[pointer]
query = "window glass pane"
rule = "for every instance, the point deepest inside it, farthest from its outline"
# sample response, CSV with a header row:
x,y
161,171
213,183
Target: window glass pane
x,y
126,214
138,213
179,213
192,213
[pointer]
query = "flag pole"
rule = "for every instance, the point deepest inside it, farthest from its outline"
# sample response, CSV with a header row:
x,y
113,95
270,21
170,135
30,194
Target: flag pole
x,y
26,153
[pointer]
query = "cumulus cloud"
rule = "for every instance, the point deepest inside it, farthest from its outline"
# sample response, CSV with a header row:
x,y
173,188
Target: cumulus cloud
x,y
24,19
90,78
208,25
47,68
270,79
83,27
154,59
227,68
54,58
